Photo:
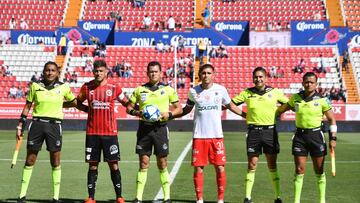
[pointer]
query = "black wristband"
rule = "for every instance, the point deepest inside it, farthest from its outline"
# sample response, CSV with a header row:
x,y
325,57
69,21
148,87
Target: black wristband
x,y
170,116
132,112
23,121
332,138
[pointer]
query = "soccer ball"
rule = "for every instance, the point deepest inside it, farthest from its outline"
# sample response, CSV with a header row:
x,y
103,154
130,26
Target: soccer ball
x,y
151,113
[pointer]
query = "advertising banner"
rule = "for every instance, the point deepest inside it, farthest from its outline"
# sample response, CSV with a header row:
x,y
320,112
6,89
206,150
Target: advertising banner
x,y
319,33
230,33
270,39
31,37
104,30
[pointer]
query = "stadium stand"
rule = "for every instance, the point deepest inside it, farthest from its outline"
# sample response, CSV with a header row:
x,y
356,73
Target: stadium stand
x,y
260,13
355,62
39,14
137,57
22,62
352,13
235,71
132,17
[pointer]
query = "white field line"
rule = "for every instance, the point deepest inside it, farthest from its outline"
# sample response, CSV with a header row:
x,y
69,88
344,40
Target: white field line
x,y
175,169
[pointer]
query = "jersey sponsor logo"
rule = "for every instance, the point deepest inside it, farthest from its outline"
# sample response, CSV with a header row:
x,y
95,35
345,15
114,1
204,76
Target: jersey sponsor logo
x,y
207,108
88,157
165,146
316,104
109,93
58,143
113,149
138,147
195,151
251,149
302,26
88,149
297,149
100,105
220,152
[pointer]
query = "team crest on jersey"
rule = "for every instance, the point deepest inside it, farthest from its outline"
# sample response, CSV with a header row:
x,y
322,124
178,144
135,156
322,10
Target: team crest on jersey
x,y
162,92
109,93
91,91
316,104
113,149
217,100
143,96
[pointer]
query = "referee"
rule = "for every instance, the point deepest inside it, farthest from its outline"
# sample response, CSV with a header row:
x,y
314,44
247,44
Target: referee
x,y
262,136
48,96
153,135
310,109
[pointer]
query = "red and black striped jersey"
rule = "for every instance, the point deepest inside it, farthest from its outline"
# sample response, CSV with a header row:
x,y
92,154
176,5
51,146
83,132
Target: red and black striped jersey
x,y
101,101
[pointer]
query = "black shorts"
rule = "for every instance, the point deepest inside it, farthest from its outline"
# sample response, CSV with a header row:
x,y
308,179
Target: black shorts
x,y
95,144
262,139
152,135
39,131
309,141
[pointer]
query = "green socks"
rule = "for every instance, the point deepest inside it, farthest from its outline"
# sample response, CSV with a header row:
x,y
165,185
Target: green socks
x,y
249,183
274,175
298,183
56,179
321,182
25,180
140,183
165,183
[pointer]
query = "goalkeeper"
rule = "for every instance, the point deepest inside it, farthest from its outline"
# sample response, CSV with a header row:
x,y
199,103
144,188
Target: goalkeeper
x,y
309,109
153,134
47,95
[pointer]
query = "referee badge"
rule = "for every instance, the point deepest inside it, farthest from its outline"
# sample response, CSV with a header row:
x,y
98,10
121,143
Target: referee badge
x,y
316,104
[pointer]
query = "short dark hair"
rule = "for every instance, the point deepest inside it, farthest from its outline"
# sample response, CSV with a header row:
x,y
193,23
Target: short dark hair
x,y
259,68
100,63
153,63
310,74
207,65
52,63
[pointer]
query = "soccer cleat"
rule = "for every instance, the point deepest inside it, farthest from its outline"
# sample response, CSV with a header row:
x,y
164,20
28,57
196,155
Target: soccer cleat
x,y
120,200
246,200
55,201
137,201
200,201
278,200
167,201
90,200
21,200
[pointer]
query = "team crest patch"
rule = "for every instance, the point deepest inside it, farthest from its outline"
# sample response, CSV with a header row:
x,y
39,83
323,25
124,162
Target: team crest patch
x,y
162,92
108,93
114,149
91,92
143,96
165,146
316,104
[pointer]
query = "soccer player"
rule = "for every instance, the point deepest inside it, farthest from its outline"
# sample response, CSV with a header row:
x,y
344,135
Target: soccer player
x,y
262,136
47,95
208,141
310,109
153,134
101,131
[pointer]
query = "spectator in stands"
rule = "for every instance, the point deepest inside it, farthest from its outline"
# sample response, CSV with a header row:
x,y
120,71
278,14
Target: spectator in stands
x,y
288,26
269,26
273,71
116,69
7,71
12,92
278,26
12,23
85,52
320,66
280,72
345,63
206,15
23,24
67,76
202,49
113,15
35,77
127,71
171,23
181,43
2,71
88,66
147,22
222,51
169,72
317,16
139,3
334,94
74,77
342,94
300,67
20,93
212,53
159,46
181,81
62,45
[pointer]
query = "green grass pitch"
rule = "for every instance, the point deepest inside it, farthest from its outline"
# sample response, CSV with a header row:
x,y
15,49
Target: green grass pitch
x,y
343,188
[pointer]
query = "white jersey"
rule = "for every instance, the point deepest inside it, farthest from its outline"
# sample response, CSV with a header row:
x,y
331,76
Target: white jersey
x,y
208,104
